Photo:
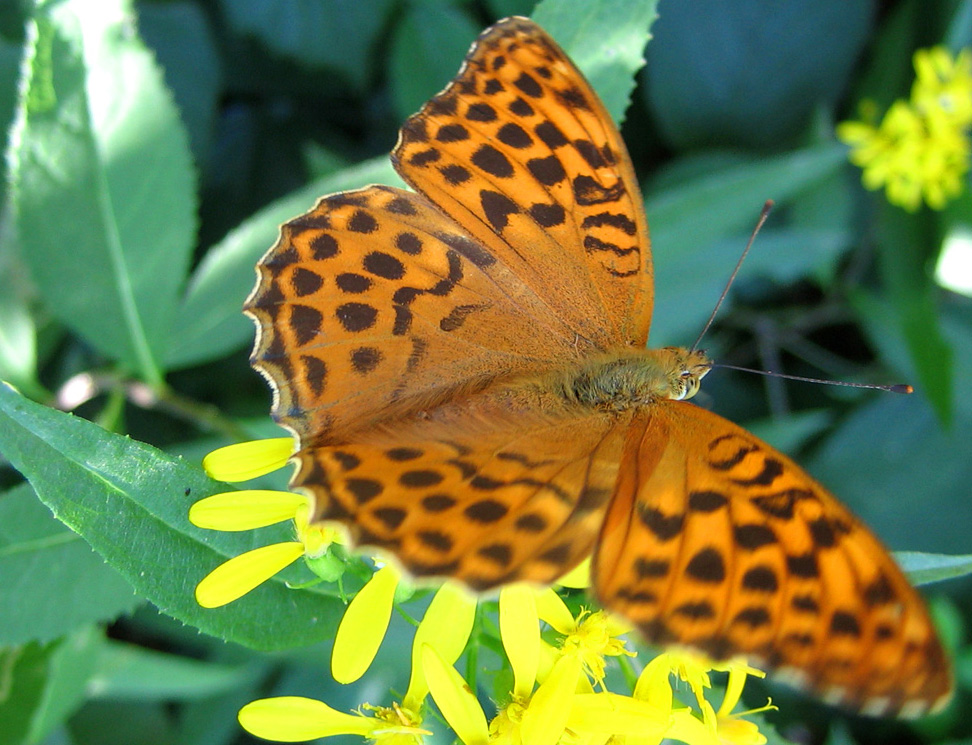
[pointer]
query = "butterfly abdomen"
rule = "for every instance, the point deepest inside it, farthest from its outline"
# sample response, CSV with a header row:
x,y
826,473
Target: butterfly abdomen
x,y
635,377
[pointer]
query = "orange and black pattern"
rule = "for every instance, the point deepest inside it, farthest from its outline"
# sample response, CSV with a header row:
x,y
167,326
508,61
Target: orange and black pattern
x,y
464,369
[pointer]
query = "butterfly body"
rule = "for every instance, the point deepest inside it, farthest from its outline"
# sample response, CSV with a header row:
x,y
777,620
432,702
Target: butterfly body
x,y
464,367
636,377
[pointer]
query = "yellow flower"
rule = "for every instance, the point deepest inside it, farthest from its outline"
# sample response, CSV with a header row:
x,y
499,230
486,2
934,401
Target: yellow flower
x,y
920,150
295,719
731,728
714,727
455,699
443,632
563,708
257,508
944,84
590,637
445,628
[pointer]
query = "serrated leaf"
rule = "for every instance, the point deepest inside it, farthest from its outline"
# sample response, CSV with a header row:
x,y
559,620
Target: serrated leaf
x,y
129,501
51,582
605,39
179,34
102,181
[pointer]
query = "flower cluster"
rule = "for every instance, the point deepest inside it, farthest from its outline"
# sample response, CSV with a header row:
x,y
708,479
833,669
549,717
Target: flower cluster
x,y
559,691
920,149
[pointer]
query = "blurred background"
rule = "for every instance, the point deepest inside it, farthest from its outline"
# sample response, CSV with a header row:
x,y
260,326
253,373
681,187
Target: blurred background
x,y
232,116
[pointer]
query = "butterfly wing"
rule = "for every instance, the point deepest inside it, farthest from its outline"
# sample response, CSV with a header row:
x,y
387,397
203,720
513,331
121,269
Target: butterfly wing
x,y
717,541
374,304
506,486
519,150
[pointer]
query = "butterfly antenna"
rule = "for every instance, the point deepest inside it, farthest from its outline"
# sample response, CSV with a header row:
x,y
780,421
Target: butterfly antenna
x,y
895,388
732,277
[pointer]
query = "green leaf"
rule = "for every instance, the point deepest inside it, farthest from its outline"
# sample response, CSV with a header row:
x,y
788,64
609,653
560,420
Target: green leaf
x,y
914,301
427,49
124,671
10,61
960,31
43,685
51,582
699,226
129,501
792,433
178,33
731,74
605,39
318,33
210,322
889,72
102,182
893,463
18,333
923,568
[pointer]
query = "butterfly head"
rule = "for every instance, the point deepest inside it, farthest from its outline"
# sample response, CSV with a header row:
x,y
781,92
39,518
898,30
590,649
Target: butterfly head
x,y
687,368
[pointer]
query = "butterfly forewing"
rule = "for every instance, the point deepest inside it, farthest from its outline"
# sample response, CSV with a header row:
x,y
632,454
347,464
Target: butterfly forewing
x,y
717,541
374,304
520,151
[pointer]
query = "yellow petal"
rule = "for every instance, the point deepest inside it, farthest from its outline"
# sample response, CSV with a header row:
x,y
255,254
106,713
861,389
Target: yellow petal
x,y
236,577
455,700
363,626
245,510
687,728
654,684
554,611
247,460
612,714
693,668
520,632
740,732
549,655
446,627
546,716
579,577
295,719
734,688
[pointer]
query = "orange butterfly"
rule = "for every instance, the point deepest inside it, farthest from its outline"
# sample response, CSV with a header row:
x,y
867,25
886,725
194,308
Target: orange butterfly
x,y
465,369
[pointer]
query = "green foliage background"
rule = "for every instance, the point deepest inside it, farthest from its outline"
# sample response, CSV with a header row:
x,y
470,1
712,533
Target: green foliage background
x,y
153,148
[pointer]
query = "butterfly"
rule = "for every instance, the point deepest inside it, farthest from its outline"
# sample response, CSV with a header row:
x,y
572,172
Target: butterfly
x,y
465,369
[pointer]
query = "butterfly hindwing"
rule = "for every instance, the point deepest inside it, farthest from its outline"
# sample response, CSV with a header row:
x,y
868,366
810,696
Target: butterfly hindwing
x,y
717,541
498,489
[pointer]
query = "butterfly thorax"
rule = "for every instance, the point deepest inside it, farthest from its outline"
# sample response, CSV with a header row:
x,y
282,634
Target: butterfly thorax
x,y
635,377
